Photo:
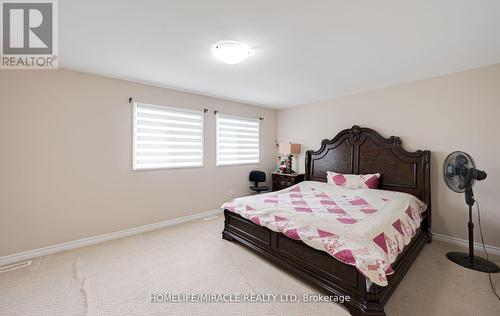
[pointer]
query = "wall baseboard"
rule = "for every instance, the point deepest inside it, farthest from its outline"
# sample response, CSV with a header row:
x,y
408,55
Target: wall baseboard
x,y
30,254
492,250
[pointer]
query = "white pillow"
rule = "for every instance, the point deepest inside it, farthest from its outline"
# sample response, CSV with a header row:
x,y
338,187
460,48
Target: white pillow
x,y
353,181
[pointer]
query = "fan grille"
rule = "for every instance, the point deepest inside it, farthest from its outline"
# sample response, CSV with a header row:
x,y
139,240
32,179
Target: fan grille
x,y
455,169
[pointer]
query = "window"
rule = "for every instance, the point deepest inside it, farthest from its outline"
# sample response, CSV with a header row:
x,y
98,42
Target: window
x,y
167,137
238,140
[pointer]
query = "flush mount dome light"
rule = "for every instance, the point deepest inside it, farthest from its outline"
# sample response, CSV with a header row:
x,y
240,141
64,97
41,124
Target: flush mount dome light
x,y
231,52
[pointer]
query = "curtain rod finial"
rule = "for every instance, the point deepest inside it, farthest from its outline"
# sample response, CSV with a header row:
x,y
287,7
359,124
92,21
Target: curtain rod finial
x,y
130,100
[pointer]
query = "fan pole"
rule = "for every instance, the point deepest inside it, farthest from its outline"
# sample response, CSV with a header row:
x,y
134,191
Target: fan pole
x,y
471,236
469,199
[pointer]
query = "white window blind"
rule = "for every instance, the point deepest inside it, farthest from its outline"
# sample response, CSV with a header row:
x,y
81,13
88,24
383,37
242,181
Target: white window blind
x,y
167,137
238,140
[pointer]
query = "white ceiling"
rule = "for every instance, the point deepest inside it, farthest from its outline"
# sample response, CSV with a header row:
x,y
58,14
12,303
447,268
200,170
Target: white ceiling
x,y
304,51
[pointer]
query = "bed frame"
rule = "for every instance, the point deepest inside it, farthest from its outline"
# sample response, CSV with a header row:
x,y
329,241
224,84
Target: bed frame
x,y
355,151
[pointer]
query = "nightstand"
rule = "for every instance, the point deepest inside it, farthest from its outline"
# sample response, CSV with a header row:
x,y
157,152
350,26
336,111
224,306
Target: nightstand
x,y
282,180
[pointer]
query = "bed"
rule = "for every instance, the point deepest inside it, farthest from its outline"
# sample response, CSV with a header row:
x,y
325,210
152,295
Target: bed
x,y
353,151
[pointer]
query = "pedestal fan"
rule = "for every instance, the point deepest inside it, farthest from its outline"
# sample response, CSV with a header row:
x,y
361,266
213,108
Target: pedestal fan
x,y
460,174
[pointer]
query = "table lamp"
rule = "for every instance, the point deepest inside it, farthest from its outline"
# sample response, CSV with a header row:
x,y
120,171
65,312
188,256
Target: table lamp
x,y
288,150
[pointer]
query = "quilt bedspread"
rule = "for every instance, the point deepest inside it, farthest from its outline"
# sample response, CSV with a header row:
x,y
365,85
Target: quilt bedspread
x,y
365,228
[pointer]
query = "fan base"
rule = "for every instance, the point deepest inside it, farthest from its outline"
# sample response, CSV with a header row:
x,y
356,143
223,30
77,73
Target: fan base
x,y
478,263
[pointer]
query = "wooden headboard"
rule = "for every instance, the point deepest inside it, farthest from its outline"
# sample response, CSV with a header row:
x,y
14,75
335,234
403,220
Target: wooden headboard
x,y
362,150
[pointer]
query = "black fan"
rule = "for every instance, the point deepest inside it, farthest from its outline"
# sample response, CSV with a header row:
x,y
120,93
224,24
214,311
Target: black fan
x,y
460,174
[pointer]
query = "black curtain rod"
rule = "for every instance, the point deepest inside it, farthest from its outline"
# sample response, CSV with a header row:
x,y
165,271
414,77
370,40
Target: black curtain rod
x,y
217,111
130,100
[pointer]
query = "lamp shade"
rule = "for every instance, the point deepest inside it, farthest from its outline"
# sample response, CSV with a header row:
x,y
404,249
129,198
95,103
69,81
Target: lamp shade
x,y
288,149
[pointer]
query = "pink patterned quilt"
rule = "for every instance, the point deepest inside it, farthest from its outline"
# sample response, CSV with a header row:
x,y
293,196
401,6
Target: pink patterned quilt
x,y
365,228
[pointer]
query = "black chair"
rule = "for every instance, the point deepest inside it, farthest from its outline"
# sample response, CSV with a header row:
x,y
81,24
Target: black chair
x,y
256,177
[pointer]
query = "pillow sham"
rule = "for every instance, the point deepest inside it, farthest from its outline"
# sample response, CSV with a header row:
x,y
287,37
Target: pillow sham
x,y
353,181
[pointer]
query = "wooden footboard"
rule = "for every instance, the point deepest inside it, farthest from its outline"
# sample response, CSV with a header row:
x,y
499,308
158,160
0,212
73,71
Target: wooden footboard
x,y
319,267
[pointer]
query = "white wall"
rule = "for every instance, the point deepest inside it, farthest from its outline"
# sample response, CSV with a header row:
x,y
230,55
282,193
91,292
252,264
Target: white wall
x,y
66,165
455,112
65,157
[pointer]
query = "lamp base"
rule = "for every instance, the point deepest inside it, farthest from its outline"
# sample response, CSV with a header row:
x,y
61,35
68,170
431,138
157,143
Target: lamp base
x,y
477,263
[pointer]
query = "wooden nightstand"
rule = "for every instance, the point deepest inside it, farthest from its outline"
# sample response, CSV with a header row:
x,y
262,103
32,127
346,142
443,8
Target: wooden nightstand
x,y
282,181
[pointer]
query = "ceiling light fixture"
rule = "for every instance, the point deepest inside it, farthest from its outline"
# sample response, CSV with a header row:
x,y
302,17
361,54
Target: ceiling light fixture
x,y
231,52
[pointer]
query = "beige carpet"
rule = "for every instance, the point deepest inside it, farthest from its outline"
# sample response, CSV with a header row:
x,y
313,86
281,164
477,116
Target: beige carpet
x,y
117,278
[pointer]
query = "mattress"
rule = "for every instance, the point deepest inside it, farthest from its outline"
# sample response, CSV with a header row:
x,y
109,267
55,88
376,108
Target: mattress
x,y
365,228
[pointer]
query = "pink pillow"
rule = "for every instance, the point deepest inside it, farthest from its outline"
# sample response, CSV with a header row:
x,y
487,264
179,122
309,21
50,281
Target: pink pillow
x,y
353,181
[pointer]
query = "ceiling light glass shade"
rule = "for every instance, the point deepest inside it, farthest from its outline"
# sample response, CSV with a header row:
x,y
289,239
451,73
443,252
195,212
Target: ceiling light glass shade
x,y
231,52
